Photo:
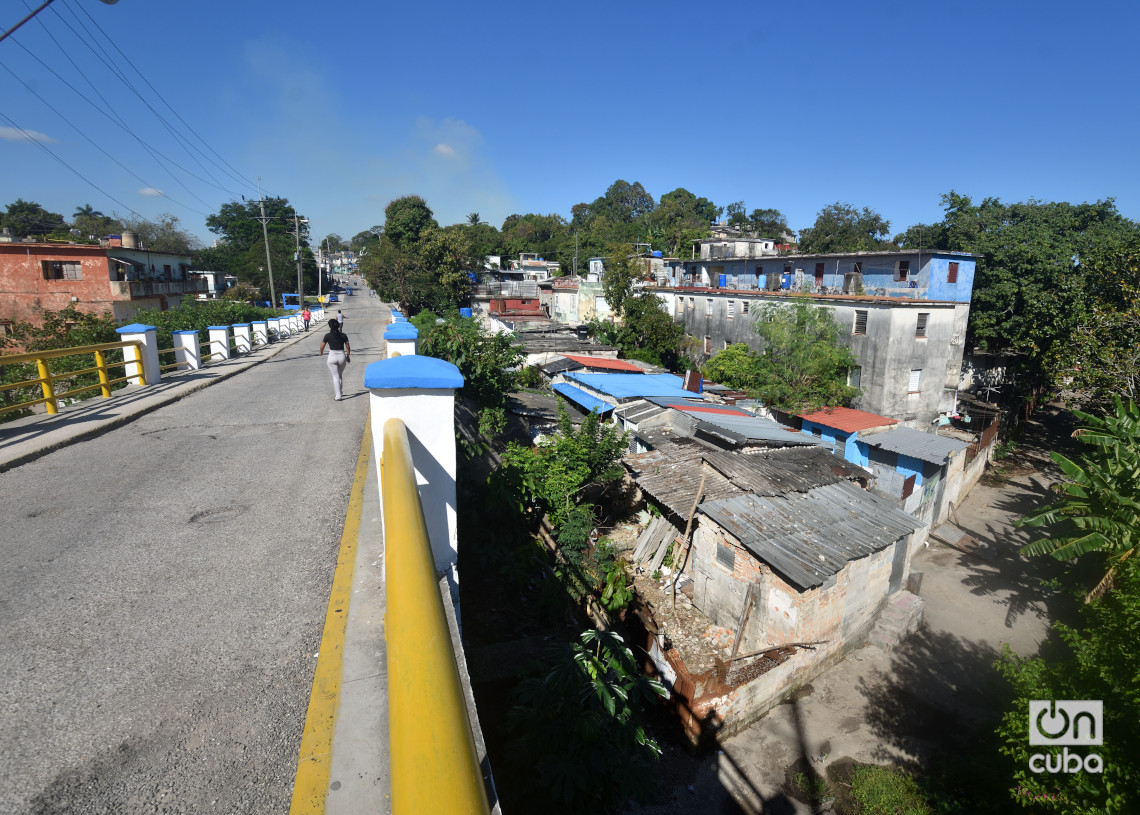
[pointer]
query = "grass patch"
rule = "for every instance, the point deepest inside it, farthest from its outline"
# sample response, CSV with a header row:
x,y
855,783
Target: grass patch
x,y
887,791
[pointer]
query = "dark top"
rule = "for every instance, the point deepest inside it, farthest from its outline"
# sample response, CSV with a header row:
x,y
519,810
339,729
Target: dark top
x,y
335,340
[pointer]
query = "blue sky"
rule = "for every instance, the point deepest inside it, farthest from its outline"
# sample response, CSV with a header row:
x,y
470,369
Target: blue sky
x,y
527,107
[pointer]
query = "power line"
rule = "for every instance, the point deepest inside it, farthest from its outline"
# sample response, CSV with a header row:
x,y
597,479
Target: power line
x,y
45,148
95,145
237,176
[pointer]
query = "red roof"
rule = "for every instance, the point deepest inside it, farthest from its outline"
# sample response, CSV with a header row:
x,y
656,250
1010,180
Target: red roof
x,y
848,420
603,362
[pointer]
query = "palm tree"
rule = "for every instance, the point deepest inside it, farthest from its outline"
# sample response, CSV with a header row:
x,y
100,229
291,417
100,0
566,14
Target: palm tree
x,y
473,219
1101,508
87,211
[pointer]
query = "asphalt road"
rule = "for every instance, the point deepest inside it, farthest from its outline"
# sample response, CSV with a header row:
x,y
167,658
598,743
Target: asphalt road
x,y
163,588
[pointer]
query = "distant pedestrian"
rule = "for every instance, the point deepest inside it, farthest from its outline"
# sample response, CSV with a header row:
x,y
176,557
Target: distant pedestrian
x,y
340,353
340,320
306,315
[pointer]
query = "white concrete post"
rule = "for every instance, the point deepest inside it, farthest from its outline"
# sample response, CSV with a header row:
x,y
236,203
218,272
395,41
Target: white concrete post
x,y
296,323
421,391
260,332
219,342
241,338
147,362
187,350
275,328
400,338
394,316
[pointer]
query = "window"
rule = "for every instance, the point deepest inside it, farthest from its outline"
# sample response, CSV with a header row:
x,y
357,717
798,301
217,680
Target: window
x,y
731,309
744,307
915,380
692,303
952,272
680,304
908,486
819,274
902,270
725,556
61,270
772,282
166,270
860,321
854,376
857,267
920,329
708,345
708,307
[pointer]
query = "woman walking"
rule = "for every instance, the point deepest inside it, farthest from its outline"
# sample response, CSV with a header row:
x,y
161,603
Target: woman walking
x,y
339,355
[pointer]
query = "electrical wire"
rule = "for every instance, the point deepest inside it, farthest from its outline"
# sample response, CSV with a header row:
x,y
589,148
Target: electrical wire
x,y
91,141
51,153
236,173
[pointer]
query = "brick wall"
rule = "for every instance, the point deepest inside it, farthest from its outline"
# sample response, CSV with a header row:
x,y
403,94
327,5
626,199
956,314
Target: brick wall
x,y
24,291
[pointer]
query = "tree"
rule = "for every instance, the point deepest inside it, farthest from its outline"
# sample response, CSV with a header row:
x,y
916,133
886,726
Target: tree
x,y
736,216
802,365
406,219
28,218
842,228
162,235
769,223
486,360
647,332
683,218
1101,508
239,226
86,211
334,243
367,238
617,281
1099,659
473,219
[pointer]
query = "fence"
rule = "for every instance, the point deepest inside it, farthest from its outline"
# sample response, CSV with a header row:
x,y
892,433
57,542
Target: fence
x,y
46,379
983,441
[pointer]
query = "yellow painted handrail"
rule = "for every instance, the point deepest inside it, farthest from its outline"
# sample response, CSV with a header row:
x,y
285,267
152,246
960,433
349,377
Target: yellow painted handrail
x,y
46,380
432,757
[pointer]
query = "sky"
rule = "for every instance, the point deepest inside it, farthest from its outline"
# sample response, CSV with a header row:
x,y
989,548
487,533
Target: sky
x,y
512,107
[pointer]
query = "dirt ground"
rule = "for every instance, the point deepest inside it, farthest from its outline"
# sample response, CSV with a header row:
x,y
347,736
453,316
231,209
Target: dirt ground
x,y
899,707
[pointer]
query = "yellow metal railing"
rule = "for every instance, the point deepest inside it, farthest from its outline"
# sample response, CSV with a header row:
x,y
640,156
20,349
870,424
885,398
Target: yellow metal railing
x,y
47,379
432,757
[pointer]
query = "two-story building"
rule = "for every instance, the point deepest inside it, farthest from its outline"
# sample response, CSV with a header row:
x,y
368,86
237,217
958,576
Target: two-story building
x,y
116,278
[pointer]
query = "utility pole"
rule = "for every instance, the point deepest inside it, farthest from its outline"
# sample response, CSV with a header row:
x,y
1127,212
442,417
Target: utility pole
x,y
300,282
575,254
265,233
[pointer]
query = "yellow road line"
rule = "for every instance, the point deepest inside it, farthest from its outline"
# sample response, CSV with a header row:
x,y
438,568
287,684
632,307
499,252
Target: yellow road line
x,y
314,759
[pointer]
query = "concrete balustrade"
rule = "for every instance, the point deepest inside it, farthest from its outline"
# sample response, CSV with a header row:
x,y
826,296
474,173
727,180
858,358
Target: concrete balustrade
x,y
260,332
401,339
142,368
219,342
243,342
187,350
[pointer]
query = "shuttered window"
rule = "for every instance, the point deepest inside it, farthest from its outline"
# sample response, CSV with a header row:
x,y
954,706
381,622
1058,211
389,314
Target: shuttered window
x,y
952,273
860,321
708,307
744,307
915,380
731,309
725,556
920,329
855,377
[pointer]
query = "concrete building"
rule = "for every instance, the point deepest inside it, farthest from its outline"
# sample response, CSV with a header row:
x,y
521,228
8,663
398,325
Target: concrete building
x,y
115,278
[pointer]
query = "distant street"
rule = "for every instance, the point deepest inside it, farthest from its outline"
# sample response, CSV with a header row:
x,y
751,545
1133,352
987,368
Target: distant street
x,y
163,589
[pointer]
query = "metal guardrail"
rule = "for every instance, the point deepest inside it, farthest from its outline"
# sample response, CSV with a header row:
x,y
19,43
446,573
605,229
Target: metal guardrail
x,y
46,379
432,757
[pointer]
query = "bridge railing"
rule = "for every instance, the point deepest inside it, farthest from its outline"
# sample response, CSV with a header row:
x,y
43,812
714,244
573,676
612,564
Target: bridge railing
x,y
46,380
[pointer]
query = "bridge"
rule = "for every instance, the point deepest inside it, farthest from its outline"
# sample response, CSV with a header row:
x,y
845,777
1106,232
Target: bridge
x,y
202,610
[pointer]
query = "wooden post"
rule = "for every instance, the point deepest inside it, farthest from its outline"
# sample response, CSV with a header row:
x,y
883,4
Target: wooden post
x,y
679,567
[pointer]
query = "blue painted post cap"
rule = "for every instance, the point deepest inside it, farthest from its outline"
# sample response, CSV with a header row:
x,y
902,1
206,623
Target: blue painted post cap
x,y
259,322
219,327
242,325
409,372
401,331
400,318
135,328
186,331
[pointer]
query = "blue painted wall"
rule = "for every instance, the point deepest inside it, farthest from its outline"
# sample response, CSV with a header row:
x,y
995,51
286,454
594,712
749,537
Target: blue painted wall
x,y
937,287
911,466
848,441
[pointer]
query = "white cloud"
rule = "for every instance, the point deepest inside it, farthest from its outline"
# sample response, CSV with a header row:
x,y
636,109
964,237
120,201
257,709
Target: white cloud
x,y
16,134
151,192
444,150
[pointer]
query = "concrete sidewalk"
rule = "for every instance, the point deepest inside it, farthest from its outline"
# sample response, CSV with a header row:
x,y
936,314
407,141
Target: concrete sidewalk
x,y
29,438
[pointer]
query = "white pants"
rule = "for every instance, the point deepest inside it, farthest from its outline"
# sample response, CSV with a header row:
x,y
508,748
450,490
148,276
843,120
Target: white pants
x,y
337,361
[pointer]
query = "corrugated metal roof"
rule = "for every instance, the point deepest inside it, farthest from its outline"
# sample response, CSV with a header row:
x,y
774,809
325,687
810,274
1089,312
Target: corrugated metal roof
x,y
605,363
628,386
807,537
557,366
914,443
738,425
638,411
779,471
848,420
580,397
671,472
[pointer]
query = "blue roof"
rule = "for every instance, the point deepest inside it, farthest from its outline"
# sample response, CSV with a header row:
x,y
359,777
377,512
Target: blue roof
x,y
412,371
631,386
580,397
135,328
401,331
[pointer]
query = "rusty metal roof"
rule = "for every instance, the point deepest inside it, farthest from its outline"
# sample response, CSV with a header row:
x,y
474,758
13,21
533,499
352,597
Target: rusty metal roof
x,y
671,472
847,420
779,471
808,537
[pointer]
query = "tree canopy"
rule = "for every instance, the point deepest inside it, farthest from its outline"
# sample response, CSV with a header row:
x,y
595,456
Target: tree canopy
x,y
842,228
802,366
29,218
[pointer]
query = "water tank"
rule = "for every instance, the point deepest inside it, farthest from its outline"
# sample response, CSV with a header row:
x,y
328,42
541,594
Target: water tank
x,y
657,253
464,312
130,240
583,332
